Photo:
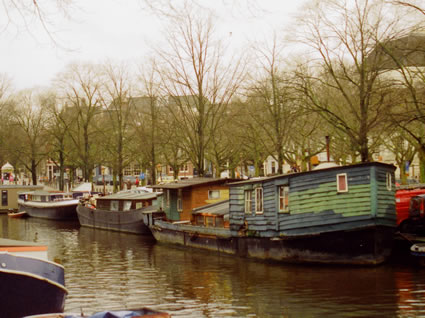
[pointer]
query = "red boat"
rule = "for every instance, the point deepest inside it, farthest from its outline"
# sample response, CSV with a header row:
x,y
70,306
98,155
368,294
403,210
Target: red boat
x,y
403,195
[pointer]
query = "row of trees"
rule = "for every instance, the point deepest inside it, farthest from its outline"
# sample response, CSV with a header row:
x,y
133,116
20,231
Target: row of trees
x,y
360,81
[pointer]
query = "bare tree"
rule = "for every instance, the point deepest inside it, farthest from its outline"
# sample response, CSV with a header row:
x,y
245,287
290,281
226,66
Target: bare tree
x,y
199,81
79,86
345,85
29,122
118,134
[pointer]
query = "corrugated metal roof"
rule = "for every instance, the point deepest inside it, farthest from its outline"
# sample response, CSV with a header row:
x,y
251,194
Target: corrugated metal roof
x,y
130,195
189,183
218,208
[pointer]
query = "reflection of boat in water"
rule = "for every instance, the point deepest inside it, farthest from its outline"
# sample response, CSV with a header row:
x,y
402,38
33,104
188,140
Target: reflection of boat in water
x,y
48,205
30,283
122,211
144,312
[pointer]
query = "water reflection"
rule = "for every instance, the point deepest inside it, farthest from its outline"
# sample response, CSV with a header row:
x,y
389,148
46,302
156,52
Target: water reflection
x,y
109,270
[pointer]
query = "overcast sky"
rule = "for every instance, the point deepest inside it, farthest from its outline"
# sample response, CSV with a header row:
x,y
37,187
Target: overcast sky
x,y
118,30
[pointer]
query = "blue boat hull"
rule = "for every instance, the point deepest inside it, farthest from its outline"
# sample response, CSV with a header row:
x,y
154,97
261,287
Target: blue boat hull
x,y
30,286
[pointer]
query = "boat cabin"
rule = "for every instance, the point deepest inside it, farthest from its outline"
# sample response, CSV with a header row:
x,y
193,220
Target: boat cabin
x,y
44,196
182,196
310,203
128,200
9,195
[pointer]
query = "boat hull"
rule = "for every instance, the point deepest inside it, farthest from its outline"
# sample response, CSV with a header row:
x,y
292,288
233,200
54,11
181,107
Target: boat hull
x,y
30,286
362,246
121,221
51,211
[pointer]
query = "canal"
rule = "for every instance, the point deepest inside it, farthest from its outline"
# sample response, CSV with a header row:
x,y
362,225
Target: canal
x,y
109,270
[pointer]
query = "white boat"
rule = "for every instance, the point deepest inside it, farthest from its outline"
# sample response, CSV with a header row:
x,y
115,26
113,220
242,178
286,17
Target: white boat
x,y
48,205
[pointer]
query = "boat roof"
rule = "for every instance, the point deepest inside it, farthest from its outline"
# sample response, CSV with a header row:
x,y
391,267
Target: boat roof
x,y
186,183
130,195
10,242
218,208
292,174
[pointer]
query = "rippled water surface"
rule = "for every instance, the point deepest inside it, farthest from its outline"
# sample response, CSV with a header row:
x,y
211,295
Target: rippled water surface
x,y
108,270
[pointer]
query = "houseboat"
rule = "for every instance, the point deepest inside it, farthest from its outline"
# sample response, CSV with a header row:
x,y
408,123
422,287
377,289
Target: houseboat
x,y
123,211
30,283
48,205
337,214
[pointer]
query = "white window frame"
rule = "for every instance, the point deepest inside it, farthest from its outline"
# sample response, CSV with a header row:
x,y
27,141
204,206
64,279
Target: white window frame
x,y
338,184
248,201
389,181
283,197
259,200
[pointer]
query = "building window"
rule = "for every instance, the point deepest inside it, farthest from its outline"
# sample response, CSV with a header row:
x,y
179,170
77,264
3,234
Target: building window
x,y
273,167
184,168
341,182
213,194
179,201
248,201
389,181
283,199
259,200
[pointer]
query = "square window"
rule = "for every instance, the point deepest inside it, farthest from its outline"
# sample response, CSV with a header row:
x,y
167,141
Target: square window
x,y
213,194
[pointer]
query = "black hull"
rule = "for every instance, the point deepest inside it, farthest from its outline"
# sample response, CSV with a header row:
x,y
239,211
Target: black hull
x,y
128,221
363,246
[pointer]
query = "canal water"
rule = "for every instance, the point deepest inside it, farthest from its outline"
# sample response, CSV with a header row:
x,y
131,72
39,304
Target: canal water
x,y
109,270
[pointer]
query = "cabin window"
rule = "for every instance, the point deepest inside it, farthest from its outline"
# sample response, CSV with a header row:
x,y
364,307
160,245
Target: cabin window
x,y
4,197
210,221
199,219
283,199
248,201
213,194
219,222
179,201
127,206
389,181
114,205
341,181
259,200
